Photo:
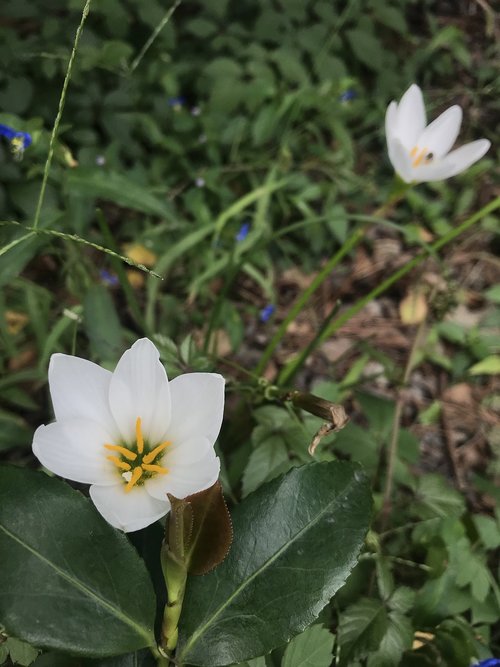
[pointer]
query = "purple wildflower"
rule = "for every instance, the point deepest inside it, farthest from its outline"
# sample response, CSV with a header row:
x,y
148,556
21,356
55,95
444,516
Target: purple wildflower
x,y
348,95
267,312
489,662
19,141
243,232
176,102
108,278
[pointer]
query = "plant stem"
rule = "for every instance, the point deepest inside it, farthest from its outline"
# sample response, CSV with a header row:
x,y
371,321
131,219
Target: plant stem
x,y
304,298
396,424
153,36
289,371
57,121
355,238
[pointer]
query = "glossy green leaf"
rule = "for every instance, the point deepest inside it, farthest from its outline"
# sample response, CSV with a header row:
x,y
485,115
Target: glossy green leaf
x,y
69,581
268,460
312,648
142,658
296,539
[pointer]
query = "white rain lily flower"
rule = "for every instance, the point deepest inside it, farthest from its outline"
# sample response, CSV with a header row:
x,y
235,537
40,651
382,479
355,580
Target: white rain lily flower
x,y
420,152
132,434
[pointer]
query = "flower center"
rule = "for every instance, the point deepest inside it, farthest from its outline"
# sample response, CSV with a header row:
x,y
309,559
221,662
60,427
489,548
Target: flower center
x,y
420,155
137,465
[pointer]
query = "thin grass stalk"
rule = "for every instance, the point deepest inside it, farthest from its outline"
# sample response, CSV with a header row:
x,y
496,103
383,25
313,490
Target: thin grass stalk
x,y
153,36
121,273
304,298
60,110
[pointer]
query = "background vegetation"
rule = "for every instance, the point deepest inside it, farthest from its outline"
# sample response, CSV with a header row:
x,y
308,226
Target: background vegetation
x,y
233,157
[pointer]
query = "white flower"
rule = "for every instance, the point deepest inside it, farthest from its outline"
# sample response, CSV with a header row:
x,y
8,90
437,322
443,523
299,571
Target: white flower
x,y
132,434
420,152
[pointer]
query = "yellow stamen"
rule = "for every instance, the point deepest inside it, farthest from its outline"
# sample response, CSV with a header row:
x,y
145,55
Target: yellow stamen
x,y
413,151
119,463
131,456
149,458
419,157
138,436
136,475
155,468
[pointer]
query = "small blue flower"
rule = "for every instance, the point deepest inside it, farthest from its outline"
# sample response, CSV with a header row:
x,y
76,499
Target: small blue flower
x,y
489,662
108,278
243,233
267,312
176,102
19,141
348,95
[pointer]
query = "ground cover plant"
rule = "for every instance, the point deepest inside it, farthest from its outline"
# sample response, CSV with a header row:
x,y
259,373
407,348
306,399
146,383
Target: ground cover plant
x,y
244,196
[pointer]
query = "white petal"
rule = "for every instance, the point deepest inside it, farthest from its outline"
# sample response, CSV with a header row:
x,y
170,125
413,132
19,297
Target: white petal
x,y
183,480
411,117
197,406
186,452
79,388
391,120
457,161
400,159
74,449
139,388
441,134
128,511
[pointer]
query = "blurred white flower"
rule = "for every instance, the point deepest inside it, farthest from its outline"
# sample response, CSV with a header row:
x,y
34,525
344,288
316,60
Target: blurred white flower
x,y
132,434
420,152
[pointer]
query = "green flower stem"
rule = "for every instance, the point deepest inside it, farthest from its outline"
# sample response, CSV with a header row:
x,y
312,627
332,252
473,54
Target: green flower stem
x,y
289,371
304,298
60,110
174,563
398,192
175,573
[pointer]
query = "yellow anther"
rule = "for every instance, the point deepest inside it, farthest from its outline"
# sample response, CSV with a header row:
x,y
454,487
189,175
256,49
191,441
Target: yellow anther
x,y
138,436
136,475
413,151
131,456
151,467
149,458
418,159
119,463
